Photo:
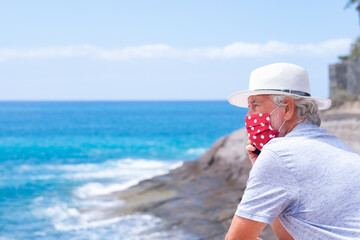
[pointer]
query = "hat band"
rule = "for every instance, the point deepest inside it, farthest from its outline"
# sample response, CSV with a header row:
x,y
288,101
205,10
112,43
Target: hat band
x,y
288,91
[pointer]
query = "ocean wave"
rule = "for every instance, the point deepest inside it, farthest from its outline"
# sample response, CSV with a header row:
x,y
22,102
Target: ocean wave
x,y
66,218
85,212
197,151
94,188
6,238
57,213
91,203
138,226
122,169
85,225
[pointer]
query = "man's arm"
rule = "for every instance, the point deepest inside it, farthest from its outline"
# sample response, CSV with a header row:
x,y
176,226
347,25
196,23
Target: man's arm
x,y
244,229
279,230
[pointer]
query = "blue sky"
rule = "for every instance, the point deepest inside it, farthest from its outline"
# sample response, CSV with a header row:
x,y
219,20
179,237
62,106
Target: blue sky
x,y
163,50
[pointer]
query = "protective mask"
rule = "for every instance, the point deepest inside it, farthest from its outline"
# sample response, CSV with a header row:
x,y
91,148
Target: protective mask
x,y
259,129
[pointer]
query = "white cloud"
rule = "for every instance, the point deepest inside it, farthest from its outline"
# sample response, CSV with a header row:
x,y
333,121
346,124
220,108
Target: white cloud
x,y
329,48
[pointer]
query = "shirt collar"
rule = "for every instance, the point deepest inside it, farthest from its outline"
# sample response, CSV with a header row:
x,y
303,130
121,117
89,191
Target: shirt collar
x,y
303,128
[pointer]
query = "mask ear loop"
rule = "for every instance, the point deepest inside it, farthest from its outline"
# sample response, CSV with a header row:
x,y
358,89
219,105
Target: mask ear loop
x,y
276,108
274,111
281,125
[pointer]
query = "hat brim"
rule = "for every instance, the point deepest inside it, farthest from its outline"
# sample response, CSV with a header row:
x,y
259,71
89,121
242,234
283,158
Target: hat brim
x,y
240,99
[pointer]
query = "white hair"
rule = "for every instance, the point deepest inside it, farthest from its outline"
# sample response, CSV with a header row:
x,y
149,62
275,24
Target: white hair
x,y
306,109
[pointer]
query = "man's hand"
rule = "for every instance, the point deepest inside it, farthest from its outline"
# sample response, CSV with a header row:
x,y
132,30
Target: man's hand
x,y
249,150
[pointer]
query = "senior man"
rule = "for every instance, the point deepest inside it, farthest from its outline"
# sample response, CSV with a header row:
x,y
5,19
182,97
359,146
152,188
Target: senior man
x,y
304,181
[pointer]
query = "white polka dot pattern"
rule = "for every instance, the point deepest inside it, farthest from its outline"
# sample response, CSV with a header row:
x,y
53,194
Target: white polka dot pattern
x,y
259,130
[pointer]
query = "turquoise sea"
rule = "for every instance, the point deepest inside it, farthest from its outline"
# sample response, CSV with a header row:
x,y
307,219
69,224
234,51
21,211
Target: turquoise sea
x,y
58,158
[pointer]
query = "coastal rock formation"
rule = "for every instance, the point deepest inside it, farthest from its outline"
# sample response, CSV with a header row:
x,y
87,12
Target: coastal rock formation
x,y
201,196
344,122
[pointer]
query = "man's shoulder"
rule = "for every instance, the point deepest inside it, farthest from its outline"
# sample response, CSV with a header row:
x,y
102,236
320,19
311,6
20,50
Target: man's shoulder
x,y
302,134
307,139
307,129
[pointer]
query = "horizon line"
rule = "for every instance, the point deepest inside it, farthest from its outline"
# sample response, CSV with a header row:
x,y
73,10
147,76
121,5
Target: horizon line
x,y
111,100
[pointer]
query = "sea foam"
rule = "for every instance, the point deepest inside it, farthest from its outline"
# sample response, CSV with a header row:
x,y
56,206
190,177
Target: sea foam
x,y
122,169
196,151
87,207
136,171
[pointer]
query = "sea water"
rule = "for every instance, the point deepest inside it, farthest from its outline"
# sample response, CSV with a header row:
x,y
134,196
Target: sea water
x,y
57,157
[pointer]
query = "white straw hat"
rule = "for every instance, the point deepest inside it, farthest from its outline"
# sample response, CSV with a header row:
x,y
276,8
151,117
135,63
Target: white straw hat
x,y
278,78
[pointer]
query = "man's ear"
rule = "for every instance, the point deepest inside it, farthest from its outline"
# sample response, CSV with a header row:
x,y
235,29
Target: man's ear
x,y
289,109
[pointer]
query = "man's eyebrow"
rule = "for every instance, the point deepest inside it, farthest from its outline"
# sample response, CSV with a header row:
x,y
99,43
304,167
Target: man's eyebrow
x,y
252,102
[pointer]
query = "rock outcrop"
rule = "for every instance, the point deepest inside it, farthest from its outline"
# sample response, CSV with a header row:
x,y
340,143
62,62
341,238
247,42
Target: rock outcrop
x,y
201,196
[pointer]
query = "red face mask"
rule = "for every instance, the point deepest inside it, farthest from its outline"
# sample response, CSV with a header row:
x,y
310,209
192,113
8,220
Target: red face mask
x,y
259,129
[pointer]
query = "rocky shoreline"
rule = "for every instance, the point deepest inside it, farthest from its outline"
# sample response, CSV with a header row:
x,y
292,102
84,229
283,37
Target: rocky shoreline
x,y
201,196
